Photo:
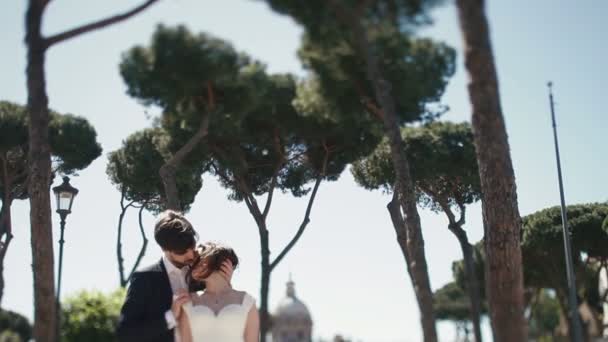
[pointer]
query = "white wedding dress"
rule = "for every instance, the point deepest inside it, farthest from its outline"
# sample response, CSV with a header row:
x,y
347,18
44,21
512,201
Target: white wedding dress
x,y
228,325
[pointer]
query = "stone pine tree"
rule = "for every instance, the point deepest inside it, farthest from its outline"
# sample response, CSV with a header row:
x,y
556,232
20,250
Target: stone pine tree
x,y
73,146
129,168
452,301
360,27
255,140
544,262
502,222
194,80
280,149
39,155
452,304
543,253
444,171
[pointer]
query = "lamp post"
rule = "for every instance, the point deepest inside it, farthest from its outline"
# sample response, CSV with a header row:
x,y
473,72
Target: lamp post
x,y
64,194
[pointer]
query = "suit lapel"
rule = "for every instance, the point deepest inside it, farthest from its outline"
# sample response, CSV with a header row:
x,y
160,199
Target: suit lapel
x,y
165,283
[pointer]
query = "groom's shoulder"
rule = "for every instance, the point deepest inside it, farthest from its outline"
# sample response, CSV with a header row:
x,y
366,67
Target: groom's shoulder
x,y
150,270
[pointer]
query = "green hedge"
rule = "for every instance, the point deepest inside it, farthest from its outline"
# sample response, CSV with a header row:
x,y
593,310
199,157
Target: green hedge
x,y
91,316
14,327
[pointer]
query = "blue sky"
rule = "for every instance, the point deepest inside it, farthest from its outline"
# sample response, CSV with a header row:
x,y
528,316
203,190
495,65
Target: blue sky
x,y
347,266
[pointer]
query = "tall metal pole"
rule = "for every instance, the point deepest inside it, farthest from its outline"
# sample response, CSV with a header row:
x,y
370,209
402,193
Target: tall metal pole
x,y
58,304
61,241
575,323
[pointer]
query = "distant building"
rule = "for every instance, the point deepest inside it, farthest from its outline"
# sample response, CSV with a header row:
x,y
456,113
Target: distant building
x,y
291,321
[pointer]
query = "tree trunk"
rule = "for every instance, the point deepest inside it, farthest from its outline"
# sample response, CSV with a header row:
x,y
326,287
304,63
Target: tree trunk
x,y
6,232
6,228
502,222
471,279
144,241
415,242
265,285
405,243
121,261
260,219
168,172
39,158
266,267
124,279
415,255
394,209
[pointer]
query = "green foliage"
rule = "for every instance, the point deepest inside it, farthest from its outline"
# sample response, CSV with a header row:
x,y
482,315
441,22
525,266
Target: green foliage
x,y
258,136
543,251
544,314
72,139
277,139
478,261
73,143
417,69
188,76
320,19
265,143
13,148
587,222
14,327
13,129
10,336
542,242
451,303
91,316
134,169
352,136
442,163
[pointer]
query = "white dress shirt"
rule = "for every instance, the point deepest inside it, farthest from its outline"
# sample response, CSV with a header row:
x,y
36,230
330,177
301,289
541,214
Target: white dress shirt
x,y
177,278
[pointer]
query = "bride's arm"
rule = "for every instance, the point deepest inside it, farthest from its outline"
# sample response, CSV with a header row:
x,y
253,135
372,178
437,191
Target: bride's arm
x,y
252,328
183,327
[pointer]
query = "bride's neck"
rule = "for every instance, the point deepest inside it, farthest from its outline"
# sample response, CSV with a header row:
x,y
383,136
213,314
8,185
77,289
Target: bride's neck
x,y
216,284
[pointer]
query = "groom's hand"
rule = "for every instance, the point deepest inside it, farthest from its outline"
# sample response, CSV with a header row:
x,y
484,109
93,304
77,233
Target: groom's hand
x,y
226,270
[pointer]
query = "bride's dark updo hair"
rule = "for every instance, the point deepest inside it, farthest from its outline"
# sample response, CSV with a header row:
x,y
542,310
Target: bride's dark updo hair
x,y
214,255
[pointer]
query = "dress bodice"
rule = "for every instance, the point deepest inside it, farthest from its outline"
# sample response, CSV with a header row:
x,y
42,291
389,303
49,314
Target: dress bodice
x,y
227,326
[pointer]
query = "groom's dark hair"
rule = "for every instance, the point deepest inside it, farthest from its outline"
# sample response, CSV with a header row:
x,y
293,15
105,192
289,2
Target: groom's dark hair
x,y
173,232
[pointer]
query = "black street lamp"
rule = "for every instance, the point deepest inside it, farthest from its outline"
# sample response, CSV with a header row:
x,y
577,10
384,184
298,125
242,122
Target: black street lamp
x,y
64,194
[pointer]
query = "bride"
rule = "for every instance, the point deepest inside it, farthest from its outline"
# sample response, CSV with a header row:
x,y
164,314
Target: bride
x,y
220,313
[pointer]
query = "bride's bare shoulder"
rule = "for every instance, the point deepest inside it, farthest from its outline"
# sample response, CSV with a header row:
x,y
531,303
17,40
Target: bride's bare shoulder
x,y
239,294
242,295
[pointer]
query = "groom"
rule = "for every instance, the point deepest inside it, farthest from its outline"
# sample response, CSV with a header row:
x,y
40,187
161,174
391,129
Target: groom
x,y
147,313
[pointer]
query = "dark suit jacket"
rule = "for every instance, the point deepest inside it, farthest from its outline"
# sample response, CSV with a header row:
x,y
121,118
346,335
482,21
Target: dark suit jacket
x,y
142,317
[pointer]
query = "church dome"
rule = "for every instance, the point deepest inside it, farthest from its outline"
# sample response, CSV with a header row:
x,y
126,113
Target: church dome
x,y
291,306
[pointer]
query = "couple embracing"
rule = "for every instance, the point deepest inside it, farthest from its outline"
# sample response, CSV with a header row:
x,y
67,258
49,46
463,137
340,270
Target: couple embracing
x,y
187,296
